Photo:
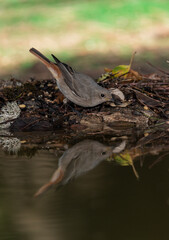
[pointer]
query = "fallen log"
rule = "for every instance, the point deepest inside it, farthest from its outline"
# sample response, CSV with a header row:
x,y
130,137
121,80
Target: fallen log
x,y
43,109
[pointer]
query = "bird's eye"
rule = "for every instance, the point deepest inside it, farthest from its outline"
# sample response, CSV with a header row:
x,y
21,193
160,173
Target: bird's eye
x,y
103,153
102,95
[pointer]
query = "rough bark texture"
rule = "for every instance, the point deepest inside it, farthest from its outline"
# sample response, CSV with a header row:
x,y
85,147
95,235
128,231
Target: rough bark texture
x,y
42,107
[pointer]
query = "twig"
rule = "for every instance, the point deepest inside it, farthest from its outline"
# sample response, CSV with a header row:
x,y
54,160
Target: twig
x,y
10,120
158,160
37,120
160,70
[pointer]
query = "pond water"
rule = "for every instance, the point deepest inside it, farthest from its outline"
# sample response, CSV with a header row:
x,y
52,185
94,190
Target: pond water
x,y
94,191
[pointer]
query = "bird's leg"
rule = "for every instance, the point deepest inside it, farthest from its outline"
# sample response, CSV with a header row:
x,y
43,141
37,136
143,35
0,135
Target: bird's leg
x,y
75,111
100,108
67,105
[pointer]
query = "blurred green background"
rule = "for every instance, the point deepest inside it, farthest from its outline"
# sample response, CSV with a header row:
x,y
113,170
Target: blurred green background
x,y
90,35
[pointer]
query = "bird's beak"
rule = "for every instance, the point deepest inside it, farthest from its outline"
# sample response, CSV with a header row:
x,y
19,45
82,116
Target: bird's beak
x,y
117,96
116,99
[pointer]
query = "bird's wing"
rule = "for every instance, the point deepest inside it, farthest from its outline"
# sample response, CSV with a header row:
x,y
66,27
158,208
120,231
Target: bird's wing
x,y
58,62
70,77
73,86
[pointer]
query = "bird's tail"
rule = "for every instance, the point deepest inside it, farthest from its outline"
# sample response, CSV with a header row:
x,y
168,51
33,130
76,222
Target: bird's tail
x,y
53,68
56,178
41,57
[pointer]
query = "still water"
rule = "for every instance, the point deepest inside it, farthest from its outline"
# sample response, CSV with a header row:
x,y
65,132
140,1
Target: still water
x,y
89,189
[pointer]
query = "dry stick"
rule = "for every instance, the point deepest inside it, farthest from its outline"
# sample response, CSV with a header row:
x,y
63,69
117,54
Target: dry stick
x,y
7,136
134,170
150,94
10,120
154,89
146,82
131,62
148,140
160,70
158,160
132,58
37,120
142,158
132,165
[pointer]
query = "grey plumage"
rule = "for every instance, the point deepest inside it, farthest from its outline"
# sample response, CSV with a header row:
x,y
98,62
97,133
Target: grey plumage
x,y
77,87
79,159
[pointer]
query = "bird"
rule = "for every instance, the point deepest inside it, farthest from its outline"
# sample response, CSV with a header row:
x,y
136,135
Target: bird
x,y
77,87
80,159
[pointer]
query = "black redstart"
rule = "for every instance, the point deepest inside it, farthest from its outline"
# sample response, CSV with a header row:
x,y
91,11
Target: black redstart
x,y
77,87
79,159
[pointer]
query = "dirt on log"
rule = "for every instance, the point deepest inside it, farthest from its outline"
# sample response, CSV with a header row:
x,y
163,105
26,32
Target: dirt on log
x,y
43,109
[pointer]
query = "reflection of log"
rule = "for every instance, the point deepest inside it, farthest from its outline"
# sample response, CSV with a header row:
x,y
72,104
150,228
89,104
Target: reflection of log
x,y
124,150
137,144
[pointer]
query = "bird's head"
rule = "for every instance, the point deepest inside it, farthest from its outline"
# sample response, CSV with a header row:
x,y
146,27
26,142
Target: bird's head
x,y
112,95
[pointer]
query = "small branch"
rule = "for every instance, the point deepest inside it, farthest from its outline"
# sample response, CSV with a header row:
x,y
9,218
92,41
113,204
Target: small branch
x,y
160,70
7,121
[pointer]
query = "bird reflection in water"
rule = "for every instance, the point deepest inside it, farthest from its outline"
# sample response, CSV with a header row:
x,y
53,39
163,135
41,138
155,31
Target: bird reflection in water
x,y
81,158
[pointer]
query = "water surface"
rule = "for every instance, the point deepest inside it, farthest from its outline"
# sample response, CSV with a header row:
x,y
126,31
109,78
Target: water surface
x,y
94,198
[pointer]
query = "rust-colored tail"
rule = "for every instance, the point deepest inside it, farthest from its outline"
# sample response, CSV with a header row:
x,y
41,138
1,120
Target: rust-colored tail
x,y
56,178
43,189
41,57
53,68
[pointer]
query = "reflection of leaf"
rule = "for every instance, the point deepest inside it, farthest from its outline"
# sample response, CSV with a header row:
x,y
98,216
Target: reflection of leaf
x,y
134,170
125,159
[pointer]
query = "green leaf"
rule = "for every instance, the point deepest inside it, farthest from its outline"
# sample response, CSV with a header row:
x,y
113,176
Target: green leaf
x,y
122,70
124,159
